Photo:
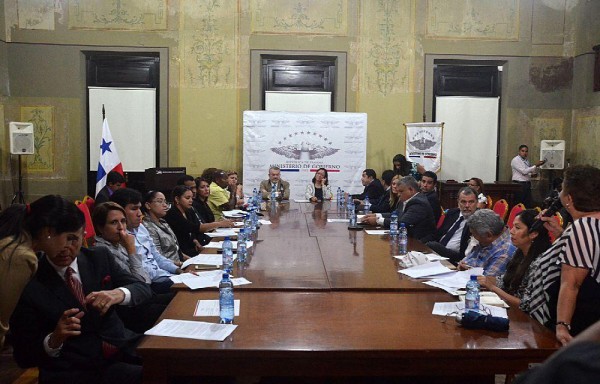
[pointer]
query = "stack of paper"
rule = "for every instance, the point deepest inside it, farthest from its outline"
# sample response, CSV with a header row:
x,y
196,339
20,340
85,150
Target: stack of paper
x,y
219,245
454,281
425,270
198,330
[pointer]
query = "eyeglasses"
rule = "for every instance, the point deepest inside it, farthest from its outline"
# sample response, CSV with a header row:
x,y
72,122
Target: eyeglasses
x,y
162,202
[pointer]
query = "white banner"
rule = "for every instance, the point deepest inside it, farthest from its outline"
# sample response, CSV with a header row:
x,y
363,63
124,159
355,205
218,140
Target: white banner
x,y
424,144
300,143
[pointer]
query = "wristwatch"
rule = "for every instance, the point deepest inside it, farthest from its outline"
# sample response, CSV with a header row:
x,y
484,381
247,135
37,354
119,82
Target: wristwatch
x,y
567,325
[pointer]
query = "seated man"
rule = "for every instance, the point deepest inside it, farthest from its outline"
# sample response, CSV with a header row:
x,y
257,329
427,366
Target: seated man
x,y
114,180
383,204
427,183
66,324
494,249
220,199
189,182
452,238
415,211
158,267
282,187
373,188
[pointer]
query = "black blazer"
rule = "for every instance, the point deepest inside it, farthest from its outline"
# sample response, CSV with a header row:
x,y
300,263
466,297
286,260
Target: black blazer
x,y
373,190
186,229
451,216
417,216
47,296
383,205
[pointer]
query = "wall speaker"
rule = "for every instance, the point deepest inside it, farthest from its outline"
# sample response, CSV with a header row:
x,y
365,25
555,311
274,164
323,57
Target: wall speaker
x,y
553,151
21,138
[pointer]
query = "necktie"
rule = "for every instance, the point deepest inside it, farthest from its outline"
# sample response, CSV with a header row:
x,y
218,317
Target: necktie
x,y
74,286
446,238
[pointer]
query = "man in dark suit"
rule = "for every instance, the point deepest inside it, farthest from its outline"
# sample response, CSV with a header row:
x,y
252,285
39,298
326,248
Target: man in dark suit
x,y
452,238
427,183
114,181
373,188
383,204
65,322
415,211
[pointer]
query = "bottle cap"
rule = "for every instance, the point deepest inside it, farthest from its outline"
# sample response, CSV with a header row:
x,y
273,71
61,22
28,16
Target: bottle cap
x,y
226,276
473,277
227,238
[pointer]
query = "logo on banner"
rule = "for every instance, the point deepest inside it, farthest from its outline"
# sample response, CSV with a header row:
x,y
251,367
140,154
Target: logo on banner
x,y
305,145
422,140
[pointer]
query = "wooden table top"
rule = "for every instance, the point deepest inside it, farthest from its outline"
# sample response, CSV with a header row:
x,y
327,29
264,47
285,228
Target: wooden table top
x,y
343,333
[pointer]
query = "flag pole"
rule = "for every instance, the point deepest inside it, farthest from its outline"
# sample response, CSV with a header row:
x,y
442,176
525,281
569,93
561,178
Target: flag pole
x,y
103,113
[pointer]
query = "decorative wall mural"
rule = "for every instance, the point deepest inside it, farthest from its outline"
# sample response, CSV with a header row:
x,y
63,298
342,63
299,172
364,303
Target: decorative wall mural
x,y
466,19
548,129
586,141
36,14
300,16
43,133
386,53
137,15
209,44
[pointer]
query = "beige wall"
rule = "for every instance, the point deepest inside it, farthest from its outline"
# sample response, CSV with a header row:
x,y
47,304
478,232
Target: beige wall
x,y
205,70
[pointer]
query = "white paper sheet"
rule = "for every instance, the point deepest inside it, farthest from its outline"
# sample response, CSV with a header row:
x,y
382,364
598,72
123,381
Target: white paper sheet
x,y
337,221
424,270
234,213
230,232
205,259
211,308
457,280
377,231
264,222
442,309
198,330
301,201
219,245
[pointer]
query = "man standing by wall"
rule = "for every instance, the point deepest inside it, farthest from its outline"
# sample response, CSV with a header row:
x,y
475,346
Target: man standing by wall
x,y
522,172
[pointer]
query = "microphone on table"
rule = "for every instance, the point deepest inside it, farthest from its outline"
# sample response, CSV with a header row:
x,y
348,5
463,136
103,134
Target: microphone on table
x,y
555,206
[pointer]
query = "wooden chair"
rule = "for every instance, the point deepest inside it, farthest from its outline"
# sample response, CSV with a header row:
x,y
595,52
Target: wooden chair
x,y
513,213
501,209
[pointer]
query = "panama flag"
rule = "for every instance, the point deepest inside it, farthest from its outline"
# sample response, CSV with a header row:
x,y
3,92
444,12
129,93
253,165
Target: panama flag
x,y
109,158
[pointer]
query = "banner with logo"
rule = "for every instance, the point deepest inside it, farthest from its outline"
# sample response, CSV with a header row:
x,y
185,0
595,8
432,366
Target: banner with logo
x,y
424,144
300,143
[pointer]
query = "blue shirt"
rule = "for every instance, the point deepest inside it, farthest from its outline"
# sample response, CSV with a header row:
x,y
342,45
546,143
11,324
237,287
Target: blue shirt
x,y
156,265
494,257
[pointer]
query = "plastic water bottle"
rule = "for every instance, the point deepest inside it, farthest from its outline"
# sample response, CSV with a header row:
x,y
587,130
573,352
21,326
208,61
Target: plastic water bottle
x,y
255,197
242,251
248,224
338,197
402,240
352,214
227,255
273,193
367,205
226,306
394,224
472,296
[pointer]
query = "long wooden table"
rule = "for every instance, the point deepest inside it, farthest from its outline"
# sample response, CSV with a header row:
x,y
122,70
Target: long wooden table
x,y
324,305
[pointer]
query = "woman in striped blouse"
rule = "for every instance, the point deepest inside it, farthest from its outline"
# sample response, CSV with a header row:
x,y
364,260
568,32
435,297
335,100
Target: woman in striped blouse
x,y
567,297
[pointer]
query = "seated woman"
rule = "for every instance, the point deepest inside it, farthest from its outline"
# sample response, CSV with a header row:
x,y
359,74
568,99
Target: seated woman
x,y
184,222
18,261
110,225
200,205
155,208
514,286
404,167
235,188
477,185
319,189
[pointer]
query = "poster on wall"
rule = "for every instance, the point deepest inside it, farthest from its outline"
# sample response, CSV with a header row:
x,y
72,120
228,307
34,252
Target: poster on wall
x,y
424,144
300,143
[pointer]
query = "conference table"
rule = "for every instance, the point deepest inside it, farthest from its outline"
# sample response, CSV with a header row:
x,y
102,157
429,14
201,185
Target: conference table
x,y
326,301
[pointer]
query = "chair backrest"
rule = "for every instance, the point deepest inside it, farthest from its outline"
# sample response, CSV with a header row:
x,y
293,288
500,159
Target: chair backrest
x,y
489,202
558,217
501,209
441,219
89,226
513,213
90,202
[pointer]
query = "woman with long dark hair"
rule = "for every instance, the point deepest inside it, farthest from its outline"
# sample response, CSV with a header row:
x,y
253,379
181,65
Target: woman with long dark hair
x,y
514,286
319,189
185,224
404,167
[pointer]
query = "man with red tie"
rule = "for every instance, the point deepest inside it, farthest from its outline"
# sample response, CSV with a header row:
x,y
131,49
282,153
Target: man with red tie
x,y
65,322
